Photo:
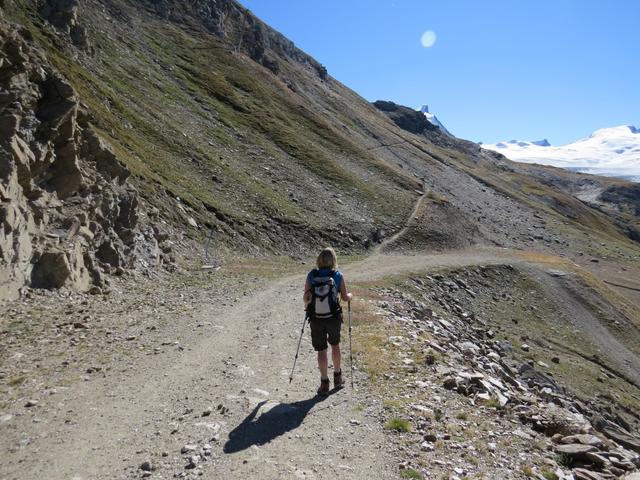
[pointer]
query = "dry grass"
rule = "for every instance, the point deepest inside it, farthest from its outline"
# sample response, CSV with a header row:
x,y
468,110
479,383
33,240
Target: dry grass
x,y
370,336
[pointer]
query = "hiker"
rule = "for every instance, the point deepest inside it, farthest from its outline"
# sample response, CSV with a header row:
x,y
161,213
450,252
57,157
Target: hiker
x,y
324,288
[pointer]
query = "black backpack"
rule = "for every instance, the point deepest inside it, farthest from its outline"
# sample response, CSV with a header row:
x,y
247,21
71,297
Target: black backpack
x,y
324,304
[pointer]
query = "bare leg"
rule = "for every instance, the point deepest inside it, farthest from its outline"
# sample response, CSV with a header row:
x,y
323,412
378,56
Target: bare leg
x,y
335,355
323,364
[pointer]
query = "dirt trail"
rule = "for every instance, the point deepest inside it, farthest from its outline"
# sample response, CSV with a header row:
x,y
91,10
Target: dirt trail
x,y
379,249
105,428
241,361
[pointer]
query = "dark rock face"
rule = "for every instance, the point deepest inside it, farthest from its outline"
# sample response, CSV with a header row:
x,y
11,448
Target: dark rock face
x,y
626,196
63,14
66,209
625,201
406,118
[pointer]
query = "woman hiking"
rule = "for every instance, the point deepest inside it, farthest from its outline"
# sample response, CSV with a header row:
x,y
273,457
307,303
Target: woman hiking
x,y
323,289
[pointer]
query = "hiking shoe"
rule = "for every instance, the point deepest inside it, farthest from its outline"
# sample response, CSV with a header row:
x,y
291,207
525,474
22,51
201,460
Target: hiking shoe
x,y
338,382
324,387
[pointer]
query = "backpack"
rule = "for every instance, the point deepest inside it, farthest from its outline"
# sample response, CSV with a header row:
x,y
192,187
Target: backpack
x,y
324,303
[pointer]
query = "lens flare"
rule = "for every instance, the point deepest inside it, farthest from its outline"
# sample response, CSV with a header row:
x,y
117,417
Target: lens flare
x,y
428,39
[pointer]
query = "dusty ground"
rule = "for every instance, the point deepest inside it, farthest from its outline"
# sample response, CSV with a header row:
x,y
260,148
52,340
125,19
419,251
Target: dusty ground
x,y
198,363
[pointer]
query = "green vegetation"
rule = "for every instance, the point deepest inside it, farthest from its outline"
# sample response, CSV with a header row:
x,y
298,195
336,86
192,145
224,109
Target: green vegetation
x,y
398,424
15,381
564,460
410,473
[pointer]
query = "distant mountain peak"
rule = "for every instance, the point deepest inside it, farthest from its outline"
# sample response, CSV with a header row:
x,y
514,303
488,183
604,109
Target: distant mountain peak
x,y
542,143
434,120
620,130
612,151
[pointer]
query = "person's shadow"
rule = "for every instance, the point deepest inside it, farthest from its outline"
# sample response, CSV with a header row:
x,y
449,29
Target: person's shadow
x,y
277,421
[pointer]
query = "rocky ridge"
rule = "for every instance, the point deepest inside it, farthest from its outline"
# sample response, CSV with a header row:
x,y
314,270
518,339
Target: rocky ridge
x,y
245,32
68,212
406,118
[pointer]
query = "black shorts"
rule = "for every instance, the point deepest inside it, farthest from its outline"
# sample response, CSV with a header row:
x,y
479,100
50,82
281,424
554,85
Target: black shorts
x,y
323,331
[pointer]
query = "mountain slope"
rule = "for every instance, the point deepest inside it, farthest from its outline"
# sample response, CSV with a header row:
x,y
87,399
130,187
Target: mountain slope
x,y
237,139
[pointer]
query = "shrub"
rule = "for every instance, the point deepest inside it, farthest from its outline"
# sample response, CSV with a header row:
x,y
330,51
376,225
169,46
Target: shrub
x,y
411,473
398,424
548,474
462,416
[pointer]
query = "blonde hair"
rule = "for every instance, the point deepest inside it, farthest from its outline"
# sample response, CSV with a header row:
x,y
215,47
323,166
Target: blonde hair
x,y
327,259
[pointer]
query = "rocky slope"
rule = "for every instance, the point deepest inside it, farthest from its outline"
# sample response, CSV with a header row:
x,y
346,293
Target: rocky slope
x,y
68,212
470,394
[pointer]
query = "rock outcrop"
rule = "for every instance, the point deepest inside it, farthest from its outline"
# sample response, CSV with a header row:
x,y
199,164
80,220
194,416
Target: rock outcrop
x,y
67,213
63,15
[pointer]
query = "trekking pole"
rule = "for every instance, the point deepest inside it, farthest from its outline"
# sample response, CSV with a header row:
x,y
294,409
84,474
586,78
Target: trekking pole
x,y
350,354
306,317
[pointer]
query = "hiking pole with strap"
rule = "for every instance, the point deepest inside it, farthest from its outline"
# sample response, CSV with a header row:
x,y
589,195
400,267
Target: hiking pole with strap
x,y
350,354
306,317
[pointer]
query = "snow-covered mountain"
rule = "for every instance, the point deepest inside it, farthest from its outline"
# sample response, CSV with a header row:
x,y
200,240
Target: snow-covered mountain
x,y
613,152
434,120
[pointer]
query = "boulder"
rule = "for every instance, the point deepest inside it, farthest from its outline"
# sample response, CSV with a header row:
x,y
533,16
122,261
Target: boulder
x,y
51,270
583,439
63,15
576,451
616,433
584,474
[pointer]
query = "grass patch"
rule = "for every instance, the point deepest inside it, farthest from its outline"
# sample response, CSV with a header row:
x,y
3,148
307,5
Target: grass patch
x,y
411,474
15,381
398,424
462,416
393,403
359,407
564,460
492,403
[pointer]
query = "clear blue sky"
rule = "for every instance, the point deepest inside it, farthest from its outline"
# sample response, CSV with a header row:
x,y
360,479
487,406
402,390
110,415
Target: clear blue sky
x,y
500,69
